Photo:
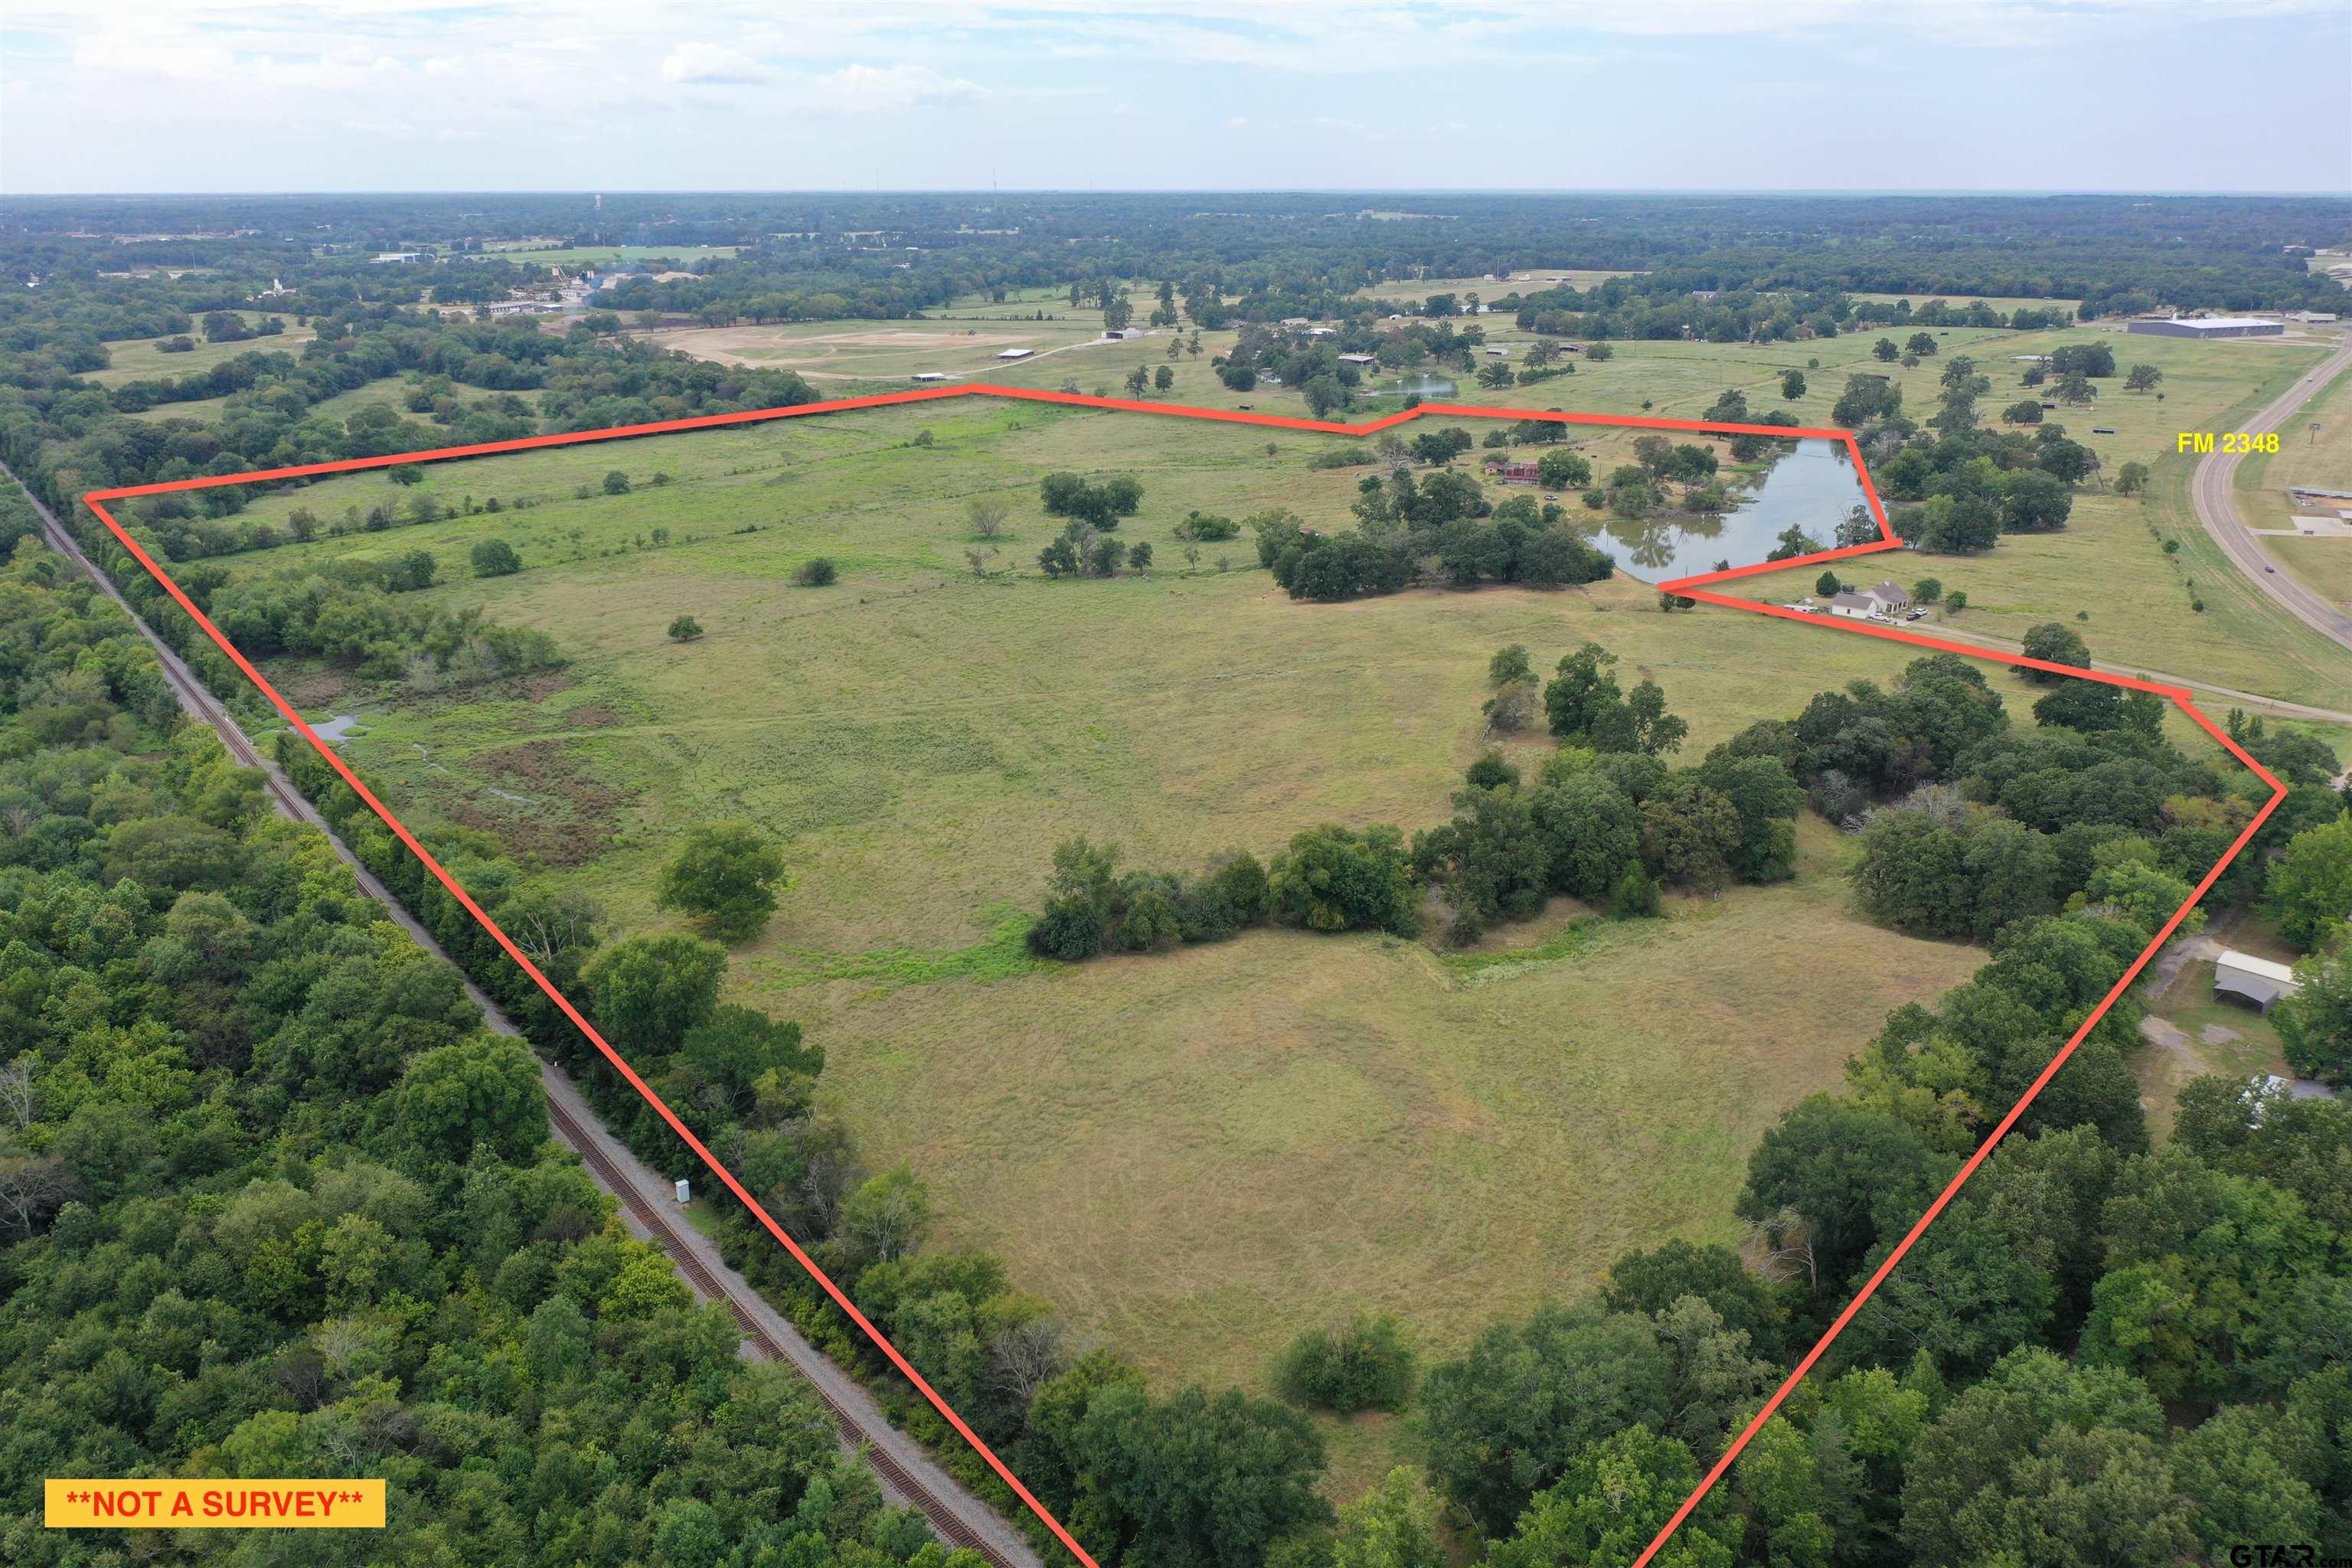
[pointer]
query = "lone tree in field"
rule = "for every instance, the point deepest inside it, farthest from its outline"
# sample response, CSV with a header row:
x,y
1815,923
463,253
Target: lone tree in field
x,y
987,514
2143,378
495,558
816,573
1793,386
685,628
2131,479
1828,587
726,877
616,483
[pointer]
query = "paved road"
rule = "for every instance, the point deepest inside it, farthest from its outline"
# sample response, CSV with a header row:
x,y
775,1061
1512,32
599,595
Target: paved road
x,y
909,1477
2209,491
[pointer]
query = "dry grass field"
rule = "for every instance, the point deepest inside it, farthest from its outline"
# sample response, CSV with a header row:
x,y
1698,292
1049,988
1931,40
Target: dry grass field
x,y
1195,1155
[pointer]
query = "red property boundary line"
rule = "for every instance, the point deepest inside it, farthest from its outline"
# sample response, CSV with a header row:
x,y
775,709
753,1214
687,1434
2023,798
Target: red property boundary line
x,y
1695,587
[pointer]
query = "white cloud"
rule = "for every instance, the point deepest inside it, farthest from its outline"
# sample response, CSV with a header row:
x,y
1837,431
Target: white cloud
x,y
700,65
133,94
857,90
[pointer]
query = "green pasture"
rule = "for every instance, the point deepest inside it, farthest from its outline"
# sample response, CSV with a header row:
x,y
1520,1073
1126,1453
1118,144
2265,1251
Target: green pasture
x,y
138,359
1197,1153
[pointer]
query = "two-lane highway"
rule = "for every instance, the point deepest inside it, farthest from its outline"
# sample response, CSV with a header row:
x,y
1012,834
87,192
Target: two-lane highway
x,y
2211,492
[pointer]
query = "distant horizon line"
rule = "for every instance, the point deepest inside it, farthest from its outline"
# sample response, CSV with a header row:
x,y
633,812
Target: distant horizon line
x,y
1921,193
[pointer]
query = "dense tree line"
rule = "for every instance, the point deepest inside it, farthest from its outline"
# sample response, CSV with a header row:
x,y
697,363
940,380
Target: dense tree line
x,y
277,1204
2099,1349
1775,267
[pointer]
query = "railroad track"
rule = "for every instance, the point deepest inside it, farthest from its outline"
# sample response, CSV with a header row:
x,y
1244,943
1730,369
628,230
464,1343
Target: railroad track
x,y
856,1429
657,1224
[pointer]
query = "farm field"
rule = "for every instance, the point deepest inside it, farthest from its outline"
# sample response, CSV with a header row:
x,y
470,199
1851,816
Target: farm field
x,y
831,352
1129,1133
2322,458
137,359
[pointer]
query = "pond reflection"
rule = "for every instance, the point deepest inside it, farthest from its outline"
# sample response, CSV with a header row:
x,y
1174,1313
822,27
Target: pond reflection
x,y
1812,488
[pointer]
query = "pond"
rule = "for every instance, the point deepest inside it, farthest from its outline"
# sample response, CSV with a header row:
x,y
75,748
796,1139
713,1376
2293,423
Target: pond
x,y
1419,384
1812,488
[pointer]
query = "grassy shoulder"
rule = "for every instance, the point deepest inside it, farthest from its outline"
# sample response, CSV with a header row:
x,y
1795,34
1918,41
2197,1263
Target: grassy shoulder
x,y
2321,457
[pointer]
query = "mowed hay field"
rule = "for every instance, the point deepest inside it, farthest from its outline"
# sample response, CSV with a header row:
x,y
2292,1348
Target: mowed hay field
x,y
2322,459
1195,1155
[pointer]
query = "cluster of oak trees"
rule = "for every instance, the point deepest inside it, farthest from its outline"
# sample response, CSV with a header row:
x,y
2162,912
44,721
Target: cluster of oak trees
x,y
1960,484
1440,529
1607,821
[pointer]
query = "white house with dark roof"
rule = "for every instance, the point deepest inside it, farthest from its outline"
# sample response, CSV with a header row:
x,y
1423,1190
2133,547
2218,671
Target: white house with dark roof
x,y
1855,606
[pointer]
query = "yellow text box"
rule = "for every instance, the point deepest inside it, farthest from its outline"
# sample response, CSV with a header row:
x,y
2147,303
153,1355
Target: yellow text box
x,y
213,1505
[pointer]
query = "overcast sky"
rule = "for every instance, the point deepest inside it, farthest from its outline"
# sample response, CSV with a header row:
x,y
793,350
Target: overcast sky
x,y
356,94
